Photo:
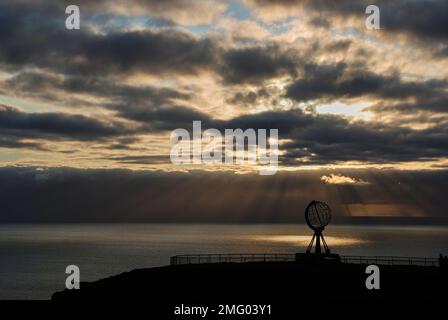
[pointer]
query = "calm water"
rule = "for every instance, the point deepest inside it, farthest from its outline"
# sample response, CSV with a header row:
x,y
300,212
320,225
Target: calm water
x,y
33,257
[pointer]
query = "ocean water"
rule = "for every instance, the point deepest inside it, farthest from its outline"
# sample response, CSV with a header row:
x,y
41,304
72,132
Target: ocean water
x,y
33,258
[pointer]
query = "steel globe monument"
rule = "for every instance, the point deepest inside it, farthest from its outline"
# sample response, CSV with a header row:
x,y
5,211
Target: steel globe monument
x,y
318,216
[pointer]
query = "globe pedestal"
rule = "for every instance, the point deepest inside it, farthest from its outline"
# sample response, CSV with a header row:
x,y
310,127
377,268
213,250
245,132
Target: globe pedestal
x,y
318,236
311,258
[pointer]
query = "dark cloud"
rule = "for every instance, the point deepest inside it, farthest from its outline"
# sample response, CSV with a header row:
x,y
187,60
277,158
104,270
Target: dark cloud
x,y
16,123
341,45
338,81
256,64
132,102
125,143
286,121
316,81
166,118
333,141
150,159
312,138
85,52
434,104
13,143
161,51
320,22
147,51
104,9
249,98
424,19
329,139
70,195
109,88
320,139
35,83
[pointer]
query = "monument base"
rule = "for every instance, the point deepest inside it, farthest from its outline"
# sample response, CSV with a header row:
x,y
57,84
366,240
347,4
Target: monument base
x,y
327,258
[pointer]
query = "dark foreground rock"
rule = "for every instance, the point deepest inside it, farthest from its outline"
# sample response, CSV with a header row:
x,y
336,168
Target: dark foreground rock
x,y
264,282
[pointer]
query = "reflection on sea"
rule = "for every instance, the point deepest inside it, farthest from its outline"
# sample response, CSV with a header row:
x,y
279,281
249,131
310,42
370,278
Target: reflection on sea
x,y
332,241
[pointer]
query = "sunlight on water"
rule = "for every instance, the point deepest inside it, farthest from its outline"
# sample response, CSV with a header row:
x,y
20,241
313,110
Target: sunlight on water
x,y
305,240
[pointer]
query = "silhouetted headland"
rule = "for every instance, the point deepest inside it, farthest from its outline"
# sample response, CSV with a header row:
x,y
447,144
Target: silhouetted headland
x,y
210,281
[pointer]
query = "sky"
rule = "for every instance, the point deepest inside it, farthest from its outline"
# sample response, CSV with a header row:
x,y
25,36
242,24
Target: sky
x,y
361,114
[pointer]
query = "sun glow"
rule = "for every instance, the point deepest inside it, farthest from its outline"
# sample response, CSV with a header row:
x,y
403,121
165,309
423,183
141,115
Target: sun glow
x,y
351,110
304,240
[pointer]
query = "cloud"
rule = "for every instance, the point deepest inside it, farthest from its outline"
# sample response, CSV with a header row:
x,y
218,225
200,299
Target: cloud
x,y
187,12
145,159
396,15
310,139
13,143
422,23
160,52
338,81
169,51
166,117
88,195
149,79
250,98
316,139
433,104
19,124
89,53
256,64
343,180
134,102
39,82
409,20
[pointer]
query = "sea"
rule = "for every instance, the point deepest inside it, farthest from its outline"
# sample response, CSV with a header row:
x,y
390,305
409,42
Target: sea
x,y
33,258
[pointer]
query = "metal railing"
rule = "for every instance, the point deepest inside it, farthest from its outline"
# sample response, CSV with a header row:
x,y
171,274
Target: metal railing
x,y
231,258
391,260
279,257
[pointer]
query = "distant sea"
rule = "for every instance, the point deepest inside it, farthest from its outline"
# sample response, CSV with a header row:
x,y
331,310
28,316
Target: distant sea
x,y
33,258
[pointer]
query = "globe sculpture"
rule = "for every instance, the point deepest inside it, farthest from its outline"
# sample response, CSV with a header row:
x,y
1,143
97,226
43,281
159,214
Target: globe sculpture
x,y
318,216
